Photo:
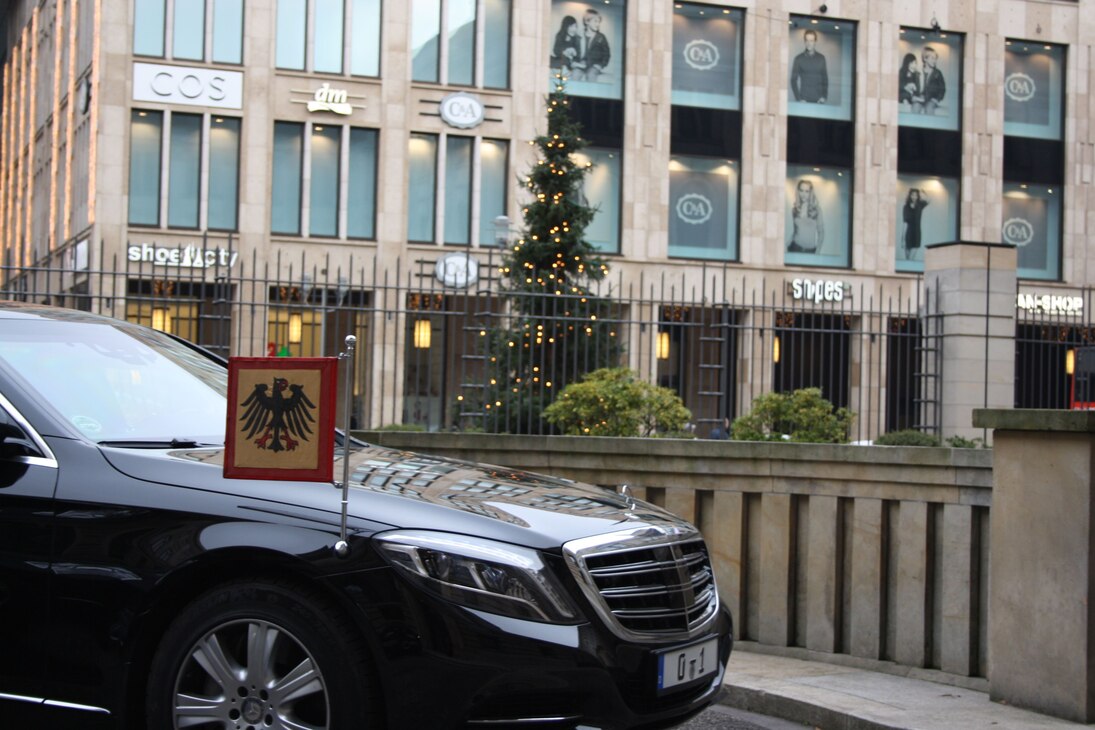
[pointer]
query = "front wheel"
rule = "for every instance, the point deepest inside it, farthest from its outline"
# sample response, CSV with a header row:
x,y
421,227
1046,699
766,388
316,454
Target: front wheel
x,y
260,655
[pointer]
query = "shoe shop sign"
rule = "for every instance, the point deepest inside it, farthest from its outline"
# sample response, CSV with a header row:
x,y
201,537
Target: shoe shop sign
x,y
185,256
819,290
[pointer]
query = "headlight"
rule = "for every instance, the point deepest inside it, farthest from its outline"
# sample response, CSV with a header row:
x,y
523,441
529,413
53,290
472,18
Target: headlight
x,y
482,574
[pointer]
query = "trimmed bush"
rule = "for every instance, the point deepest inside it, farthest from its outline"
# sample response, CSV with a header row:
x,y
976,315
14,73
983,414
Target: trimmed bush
x,y
907,437
801,416
615,402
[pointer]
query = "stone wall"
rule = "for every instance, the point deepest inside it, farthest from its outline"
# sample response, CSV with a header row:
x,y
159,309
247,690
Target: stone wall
x,y
860,554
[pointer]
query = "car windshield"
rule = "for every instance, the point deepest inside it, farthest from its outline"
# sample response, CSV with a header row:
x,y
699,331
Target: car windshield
x,y
118,382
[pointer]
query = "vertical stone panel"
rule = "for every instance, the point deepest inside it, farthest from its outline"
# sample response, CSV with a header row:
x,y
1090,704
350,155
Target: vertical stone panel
x,y
866,579
727,545
681,502
775,556
822,574
911,584
957,643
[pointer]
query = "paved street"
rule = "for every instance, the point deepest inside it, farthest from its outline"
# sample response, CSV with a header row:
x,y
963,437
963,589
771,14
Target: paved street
x,y
721,717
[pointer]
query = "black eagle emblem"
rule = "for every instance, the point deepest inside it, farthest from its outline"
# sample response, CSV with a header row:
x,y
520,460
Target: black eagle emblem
x,y
278,417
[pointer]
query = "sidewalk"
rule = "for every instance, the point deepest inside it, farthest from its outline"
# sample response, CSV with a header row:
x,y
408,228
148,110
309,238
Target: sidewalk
x,y
836,697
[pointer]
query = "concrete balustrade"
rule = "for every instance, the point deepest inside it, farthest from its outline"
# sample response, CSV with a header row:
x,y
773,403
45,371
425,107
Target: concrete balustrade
x,y
857,554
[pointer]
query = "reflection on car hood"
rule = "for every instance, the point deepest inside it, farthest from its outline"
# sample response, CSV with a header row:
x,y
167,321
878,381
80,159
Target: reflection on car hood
x,y
415,491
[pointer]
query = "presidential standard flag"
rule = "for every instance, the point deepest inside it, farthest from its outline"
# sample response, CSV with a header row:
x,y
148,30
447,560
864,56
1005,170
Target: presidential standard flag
x,y
281,418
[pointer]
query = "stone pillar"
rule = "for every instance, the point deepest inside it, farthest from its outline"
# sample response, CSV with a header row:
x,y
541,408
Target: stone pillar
x,y
972,287
867,578
727,548
1041,637
776,557
821,574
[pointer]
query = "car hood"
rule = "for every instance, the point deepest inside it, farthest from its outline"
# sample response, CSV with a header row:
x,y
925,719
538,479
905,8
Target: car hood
x,y
391,488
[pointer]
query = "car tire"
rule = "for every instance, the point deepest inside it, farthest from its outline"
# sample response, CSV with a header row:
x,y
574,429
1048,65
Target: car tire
x,y
262,655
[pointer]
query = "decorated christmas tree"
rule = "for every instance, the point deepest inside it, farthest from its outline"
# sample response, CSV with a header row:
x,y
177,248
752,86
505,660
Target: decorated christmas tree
x,y
559,329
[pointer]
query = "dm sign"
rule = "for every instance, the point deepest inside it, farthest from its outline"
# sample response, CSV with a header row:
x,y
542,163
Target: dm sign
x,y
281,418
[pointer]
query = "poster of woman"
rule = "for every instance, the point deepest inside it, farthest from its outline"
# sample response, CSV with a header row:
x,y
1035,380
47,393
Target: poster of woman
x,y
587,47
927,213
929,79
818,216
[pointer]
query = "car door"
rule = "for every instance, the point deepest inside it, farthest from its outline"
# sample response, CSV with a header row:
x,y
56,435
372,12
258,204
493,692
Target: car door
x,y
28,476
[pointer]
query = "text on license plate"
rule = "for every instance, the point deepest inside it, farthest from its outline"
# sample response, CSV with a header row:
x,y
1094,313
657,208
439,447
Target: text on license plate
x,y
680,666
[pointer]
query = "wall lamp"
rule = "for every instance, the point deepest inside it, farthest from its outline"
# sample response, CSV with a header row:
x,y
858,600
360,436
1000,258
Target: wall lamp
x,y
296,328
661,347
422,333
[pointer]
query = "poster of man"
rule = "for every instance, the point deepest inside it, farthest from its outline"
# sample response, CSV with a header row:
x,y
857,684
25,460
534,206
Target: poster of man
x,y
822,65
809,73
929,79
587,47
818,216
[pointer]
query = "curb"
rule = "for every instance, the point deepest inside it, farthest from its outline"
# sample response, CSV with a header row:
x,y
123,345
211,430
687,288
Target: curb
x,y
794,710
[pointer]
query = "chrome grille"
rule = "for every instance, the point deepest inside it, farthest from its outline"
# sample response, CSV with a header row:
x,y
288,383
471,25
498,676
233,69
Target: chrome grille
x,y
654,586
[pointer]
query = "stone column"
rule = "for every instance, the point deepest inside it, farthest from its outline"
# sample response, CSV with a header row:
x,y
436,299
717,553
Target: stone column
x,y
1041,637
971,286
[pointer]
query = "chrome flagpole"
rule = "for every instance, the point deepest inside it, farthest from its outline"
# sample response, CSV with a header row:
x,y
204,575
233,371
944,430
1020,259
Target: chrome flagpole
x,y
342,547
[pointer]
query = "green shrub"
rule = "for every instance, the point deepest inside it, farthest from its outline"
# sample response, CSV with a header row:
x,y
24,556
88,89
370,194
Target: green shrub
x,y
961,442
907,437
402,427
615,402
802,416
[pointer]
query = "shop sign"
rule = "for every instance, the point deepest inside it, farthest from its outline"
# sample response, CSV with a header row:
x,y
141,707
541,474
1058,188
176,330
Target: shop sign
x,y
462,110
327,99
187,85
820,290
1050,304
189,256
457,270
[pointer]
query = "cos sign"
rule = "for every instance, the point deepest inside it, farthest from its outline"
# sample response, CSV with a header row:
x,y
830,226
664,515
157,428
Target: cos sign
x,y
187,85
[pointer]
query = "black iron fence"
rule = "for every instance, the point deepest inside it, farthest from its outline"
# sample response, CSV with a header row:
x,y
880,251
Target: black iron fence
x,y
445,358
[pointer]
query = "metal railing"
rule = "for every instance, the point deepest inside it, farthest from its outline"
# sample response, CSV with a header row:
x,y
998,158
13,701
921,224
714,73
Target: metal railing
x,y
445,359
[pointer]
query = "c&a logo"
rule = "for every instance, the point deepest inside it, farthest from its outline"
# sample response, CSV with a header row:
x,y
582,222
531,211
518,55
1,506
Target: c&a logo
x,y
1020,87
1018,231
694,208
701,55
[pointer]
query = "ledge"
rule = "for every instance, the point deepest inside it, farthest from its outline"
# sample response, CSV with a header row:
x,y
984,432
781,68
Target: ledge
x,y
1030,419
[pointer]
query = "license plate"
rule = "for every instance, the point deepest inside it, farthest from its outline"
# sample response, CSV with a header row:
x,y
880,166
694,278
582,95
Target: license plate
x,y
687,664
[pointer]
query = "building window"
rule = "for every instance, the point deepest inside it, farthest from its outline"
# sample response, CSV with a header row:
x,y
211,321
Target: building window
x,y
494,180
703,208
707,56
461,42
818,216
192,37
314,35
1033,89
145,136
361,194
822,68
224,173
601,189
185,153
422,192
202,155
474,175
587,47
334,204
927,214
1032,223
929,79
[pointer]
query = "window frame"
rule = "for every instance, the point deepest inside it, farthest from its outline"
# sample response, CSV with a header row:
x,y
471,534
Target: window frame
x,y
347,57
167,28
478,53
